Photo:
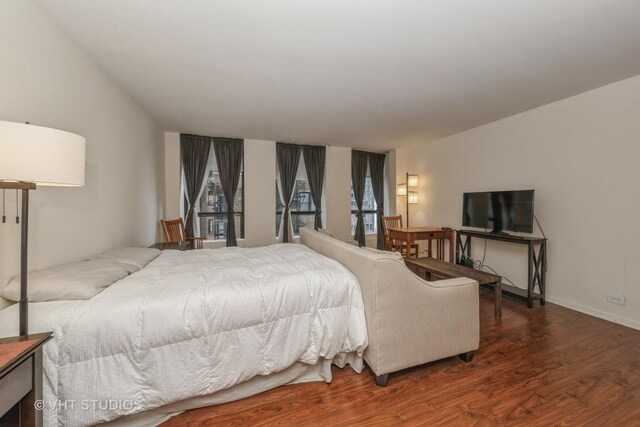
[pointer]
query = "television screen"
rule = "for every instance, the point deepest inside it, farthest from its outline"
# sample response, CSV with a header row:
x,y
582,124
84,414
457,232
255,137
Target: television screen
x,y
499,210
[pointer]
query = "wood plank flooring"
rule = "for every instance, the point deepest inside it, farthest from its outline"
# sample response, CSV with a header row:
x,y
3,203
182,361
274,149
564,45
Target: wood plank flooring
x,y
543,366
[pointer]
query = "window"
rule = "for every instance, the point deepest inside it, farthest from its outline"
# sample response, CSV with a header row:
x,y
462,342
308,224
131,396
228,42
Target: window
x,y
302,207
213,205
369,207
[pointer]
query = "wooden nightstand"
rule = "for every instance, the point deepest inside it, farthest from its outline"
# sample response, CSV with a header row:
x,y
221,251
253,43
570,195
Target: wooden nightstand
x,y
21,379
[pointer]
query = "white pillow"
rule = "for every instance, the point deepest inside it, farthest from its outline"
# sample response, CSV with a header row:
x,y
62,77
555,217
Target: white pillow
x,y
136,256
73,281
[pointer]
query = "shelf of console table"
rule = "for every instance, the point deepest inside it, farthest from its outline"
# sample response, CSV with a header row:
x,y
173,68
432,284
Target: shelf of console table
x,y
536,263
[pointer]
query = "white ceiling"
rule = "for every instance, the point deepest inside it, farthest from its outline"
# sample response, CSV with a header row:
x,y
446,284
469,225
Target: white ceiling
x,y
369,74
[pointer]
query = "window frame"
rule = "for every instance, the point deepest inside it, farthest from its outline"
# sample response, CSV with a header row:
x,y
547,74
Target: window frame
x,y
366,211
224,214
296,212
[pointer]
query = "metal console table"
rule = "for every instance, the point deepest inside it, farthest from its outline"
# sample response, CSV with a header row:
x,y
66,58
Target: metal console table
x,y
537,263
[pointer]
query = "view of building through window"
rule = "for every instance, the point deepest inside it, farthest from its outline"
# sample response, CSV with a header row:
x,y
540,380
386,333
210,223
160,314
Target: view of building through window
x,y
213,206
302,207
369,208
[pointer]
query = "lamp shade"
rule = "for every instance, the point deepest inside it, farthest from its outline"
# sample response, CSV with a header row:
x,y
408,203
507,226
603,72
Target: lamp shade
x,y
402,189
413,197
412,180
41,155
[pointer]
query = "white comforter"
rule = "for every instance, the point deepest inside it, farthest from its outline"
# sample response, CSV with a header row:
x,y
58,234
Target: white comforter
x,y
192,323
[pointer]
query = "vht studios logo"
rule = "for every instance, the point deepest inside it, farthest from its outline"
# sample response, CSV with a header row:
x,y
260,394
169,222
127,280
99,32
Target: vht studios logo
x,y
88,405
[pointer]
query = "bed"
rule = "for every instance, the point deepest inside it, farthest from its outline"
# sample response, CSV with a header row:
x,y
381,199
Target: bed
x,y
196,328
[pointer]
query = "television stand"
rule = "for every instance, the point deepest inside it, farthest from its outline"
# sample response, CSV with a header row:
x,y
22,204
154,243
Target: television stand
x,y
537,261
505,234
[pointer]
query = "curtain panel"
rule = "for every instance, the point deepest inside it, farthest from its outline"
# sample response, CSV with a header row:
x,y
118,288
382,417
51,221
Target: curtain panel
x,y
229,156
314,159
376,170
359,162
288,157
194,154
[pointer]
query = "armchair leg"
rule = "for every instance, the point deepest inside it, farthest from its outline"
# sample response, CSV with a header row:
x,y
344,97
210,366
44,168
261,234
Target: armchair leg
x,y
466,357
381,380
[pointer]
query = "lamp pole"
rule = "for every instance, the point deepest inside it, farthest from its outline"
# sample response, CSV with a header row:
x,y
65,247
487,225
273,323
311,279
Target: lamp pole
x,y
24,237
23,304
407,197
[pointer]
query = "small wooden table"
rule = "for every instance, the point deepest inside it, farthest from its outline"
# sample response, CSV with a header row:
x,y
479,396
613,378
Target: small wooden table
x,y
411,234
433,269
21,379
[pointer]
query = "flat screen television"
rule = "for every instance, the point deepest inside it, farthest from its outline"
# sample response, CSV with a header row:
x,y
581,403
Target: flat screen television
x,y
499,211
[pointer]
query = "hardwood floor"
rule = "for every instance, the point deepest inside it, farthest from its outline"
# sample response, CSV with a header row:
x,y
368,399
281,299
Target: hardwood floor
x,y
544,366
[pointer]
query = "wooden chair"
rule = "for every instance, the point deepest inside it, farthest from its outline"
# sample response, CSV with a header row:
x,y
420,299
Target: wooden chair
x,y
175,232
394,244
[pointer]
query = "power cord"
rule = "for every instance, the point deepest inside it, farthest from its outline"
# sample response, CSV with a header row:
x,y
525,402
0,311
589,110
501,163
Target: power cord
x,y
480,265
539,226
544,262
504,278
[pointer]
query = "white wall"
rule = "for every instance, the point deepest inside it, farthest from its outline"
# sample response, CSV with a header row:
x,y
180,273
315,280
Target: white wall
x,y
338,192
260,192
47,80
581,155
172,176
390,183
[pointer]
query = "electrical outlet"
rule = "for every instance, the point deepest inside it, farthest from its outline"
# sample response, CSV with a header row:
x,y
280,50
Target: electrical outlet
x,y
616,299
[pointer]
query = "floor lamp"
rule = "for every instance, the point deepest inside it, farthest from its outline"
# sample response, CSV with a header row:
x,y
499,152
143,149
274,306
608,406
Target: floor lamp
x,y
32,156
404,189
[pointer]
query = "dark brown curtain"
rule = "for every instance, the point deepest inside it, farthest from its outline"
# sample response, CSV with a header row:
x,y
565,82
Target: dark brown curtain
x,y
288,156
194,154
229,156
359,161
376,170
314,162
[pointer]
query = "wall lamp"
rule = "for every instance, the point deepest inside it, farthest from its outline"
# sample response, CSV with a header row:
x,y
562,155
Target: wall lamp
x,y
404,189
413,198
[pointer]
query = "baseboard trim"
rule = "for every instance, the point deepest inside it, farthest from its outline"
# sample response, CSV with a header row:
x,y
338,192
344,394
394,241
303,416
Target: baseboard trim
x,y
596,313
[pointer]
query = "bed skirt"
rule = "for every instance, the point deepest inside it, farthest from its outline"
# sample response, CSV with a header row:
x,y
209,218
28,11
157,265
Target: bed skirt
x,y
295,374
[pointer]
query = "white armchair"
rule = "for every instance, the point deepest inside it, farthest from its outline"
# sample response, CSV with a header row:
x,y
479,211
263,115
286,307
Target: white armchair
x,y
409,321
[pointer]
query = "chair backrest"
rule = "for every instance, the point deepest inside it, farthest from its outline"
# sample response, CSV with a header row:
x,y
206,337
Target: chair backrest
x,y
390,221
174,231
